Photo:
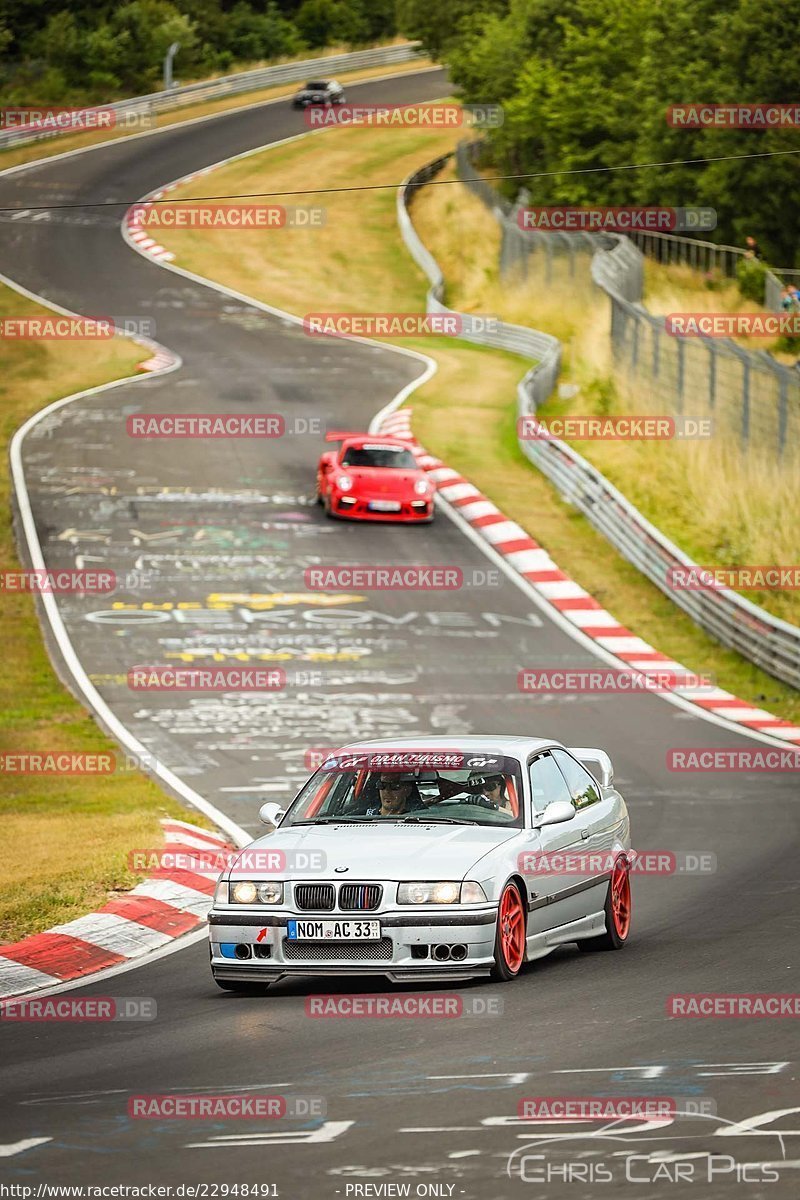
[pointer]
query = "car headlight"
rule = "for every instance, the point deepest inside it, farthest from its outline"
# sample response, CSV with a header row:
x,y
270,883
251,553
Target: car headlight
x,y
421,487
443,892
472,893
245,891
344,483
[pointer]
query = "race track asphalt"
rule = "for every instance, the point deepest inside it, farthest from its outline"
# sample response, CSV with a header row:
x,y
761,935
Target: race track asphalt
x,y
419,1102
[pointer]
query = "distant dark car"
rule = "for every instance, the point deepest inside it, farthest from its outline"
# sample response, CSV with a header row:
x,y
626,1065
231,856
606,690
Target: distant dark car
x,y
320,91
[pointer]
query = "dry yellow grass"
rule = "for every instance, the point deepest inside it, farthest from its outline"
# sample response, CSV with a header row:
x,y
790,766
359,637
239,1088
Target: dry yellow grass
x,y
678,288
719,505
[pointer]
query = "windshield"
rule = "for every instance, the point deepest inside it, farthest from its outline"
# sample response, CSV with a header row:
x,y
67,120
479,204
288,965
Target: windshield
x,y
345,791
317,87
379,456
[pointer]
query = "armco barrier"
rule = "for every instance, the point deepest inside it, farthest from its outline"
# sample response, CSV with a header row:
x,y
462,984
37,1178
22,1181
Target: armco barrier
x,y
231,85
760,637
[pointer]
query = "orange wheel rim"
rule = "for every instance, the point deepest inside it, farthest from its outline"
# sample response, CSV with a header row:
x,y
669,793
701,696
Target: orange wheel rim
x,y
621,898
512,928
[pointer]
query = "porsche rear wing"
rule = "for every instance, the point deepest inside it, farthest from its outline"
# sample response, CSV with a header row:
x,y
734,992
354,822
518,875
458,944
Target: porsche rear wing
x,y
589,755
338,435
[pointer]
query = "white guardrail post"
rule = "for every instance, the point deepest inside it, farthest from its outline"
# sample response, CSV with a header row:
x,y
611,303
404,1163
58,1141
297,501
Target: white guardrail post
x,y
765,640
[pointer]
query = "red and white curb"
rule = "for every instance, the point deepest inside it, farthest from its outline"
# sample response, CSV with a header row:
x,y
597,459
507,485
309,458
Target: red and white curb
x,y
575,604
133,219
142,241
165,906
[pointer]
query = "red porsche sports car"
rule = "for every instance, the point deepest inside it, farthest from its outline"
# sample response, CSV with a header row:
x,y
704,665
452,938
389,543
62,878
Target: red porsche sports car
x,y
373,478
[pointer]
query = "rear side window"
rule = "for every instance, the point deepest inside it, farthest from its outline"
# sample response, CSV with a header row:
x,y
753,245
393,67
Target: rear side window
x,y
582,788
547,783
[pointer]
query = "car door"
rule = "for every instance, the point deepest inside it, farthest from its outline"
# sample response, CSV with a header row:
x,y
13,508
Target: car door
x,y
556,888
601,831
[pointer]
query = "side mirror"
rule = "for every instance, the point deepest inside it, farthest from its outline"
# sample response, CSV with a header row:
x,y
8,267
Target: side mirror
x,y
271,813
556,813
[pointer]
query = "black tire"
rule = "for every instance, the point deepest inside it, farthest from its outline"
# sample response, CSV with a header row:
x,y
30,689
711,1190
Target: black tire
x,y
616,935
503,970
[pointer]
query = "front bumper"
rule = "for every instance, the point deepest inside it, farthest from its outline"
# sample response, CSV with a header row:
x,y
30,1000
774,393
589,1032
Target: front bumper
x,y
419,509
254,946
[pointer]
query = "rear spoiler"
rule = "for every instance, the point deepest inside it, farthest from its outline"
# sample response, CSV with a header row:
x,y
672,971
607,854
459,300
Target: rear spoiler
x,y
337,435
587,754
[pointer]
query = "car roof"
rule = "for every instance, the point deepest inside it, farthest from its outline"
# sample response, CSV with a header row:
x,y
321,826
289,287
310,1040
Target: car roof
x,y
511,745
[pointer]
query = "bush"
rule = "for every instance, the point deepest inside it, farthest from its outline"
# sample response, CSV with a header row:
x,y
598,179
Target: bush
x,y
751,276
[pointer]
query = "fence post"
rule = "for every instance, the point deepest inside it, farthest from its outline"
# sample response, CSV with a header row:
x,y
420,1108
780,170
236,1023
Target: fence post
x,y
712,375
744,359
783,412
656,348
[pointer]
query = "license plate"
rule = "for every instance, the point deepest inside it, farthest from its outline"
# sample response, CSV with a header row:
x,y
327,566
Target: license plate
x,y
384,505
336,931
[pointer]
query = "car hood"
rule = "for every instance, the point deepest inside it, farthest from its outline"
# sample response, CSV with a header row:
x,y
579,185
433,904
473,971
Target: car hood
x,y
401,852
383,481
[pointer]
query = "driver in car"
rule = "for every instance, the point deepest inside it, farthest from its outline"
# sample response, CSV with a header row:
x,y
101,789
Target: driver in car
x,y
397,794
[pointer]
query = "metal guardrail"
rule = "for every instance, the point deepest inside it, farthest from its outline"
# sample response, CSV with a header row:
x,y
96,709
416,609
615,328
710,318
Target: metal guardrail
x,y
669,248
763,639
750,398
529,343
130,112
